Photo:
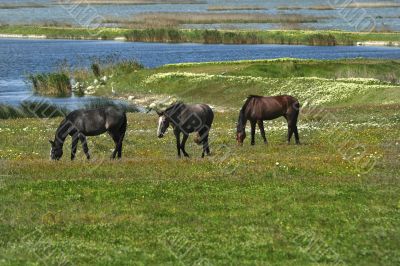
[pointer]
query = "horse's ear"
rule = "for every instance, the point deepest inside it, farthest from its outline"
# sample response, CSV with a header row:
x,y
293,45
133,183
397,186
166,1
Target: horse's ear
x,y
52,142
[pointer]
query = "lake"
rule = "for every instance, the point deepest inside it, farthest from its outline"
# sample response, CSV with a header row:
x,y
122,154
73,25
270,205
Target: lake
x,y
18,57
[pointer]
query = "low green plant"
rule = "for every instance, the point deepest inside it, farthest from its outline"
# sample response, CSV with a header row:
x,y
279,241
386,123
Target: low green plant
x,y
51,84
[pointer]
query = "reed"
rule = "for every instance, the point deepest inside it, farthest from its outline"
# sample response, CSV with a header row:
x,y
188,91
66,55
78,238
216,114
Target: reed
x,y
370,5
316,7
30,109
211,18
21,5
138,2
229,8
51,84
203,36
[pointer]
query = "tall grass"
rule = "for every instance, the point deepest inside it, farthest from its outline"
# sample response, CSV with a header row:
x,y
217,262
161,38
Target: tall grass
x,y
51,84
104,102
164,34
212,18
138,2
28,109
316,7
242,7
45,109
21,5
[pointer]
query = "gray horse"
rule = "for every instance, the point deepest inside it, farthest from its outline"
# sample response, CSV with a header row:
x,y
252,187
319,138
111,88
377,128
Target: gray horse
x,y
81,123
187,119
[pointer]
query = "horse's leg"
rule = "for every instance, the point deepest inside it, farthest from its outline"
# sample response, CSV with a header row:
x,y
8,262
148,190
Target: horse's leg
x,y
206,147
74,146
253,132
290,132
84,145
203,133
296,135
121,138
261,126
115,138
178,141
292,126
185,137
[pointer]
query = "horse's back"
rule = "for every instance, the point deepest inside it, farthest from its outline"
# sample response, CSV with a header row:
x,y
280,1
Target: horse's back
x,y
97,121
204,111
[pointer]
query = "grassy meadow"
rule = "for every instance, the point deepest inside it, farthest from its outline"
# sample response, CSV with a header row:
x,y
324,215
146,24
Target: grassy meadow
x,y
333,200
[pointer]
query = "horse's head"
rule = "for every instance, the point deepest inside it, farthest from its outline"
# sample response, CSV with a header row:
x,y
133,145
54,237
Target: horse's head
x,y
240,136
56,151
163,124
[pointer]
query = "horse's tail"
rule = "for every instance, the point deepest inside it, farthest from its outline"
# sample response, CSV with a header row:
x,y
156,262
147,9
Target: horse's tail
x,y
297,105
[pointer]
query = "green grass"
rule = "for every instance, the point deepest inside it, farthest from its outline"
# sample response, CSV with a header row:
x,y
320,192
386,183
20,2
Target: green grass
x,y
306,37
313,204
51,84
226,84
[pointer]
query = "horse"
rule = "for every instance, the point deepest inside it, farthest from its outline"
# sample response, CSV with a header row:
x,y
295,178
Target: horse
x,y
187,119
81,123
256,109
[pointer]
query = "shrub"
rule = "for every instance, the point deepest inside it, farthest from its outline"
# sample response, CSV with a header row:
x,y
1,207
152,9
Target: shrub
x,y
96,70
51,84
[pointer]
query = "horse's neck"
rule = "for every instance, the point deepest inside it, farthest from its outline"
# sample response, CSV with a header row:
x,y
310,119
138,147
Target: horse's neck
x,y
62,133
241,121
174,114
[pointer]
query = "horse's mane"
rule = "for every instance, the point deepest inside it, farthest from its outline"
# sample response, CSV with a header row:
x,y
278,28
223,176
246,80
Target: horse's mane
x,y
249,98
241,114
173,106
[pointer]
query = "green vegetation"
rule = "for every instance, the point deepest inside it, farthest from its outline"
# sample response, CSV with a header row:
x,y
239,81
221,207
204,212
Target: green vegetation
x,y
31,109
137,2
23,5
242,7
178,18
334,80
206,36
51,84
333,200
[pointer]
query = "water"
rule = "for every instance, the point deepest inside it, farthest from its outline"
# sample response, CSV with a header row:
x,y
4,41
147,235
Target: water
x,y
384,17
18,58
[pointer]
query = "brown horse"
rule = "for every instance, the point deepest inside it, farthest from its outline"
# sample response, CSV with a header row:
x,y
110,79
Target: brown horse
x,y
256,109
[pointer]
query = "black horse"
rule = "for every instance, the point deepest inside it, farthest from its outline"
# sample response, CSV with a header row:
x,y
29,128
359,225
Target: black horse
x,y
259,108
187,119
81,123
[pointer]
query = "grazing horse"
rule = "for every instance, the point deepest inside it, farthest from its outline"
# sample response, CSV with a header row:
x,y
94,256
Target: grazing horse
x,y
187,119
256,109
81,123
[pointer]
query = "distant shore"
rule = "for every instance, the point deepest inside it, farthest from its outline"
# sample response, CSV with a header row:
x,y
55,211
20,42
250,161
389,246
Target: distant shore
x,y
171,35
